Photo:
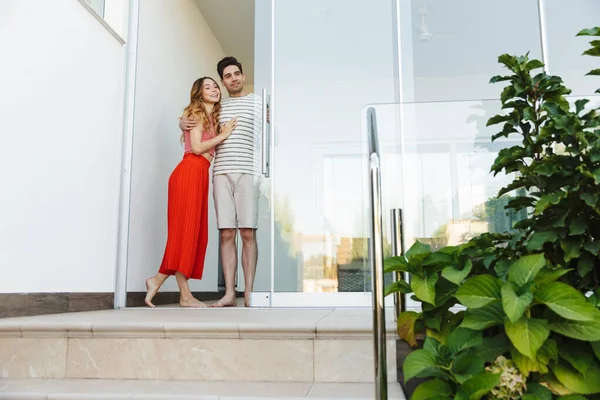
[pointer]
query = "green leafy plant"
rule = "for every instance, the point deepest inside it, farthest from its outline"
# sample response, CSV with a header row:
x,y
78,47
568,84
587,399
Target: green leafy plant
x,y
530,325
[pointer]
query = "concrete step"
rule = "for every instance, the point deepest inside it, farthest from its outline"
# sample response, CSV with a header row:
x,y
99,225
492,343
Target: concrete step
x,y
106,389
245,345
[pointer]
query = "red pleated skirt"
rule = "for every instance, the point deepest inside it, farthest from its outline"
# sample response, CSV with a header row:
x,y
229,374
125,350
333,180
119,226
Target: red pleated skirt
x,y
187,218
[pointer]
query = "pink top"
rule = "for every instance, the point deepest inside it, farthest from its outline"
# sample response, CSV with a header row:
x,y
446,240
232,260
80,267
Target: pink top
x,y
187,143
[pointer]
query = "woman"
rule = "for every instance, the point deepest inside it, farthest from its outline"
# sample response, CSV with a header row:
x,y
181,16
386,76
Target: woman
x,y
188,194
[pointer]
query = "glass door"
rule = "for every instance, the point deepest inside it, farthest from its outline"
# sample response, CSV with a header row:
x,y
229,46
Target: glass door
x,y
261,71
322,63
436,158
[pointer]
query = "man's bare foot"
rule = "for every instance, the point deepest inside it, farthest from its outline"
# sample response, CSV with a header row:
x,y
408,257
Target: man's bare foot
x,y
152,287
191,303
225,302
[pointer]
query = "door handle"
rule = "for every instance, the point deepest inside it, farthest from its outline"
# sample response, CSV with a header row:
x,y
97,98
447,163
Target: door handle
x,y
265,134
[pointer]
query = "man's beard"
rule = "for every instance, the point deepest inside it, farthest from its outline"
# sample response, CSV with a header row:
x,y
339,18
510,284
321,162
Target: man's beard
x,y
236,91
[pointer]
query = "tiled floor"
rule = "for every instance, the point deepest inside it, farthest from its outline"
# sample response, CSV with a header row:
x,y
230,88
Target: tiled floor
x,y
31,389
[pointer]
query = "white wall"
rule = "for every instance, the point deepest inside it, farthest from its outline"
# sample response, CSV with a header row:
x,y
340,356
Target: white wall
x,y
115,14
176,47
60,138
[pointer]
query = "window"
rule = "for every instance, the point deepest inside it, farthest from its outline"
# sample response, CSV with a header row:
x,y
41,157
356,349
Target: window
x,y
97,5
112,14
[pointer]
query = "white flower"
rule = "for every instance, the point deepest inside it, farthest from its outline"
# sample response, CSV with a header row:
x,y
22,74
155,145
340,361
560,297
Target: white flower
x,y
512,383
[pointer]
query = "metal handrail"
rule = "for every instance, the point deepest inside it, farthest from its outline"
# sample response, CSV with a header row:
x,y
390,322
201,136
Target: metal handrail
x,y
376,252
397,251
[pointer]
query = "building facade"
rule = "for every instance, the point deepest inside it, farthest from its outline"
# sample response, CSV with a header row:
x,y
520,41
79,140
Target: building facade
x,y
92,89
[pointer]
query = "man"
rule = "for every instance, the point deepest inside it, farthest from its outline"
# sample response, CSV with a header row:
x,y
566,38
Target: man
x,y
235,179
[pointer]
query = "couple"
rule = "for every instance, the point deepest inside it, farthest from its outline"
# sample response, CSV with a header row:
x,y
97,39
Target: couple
x,y
226,131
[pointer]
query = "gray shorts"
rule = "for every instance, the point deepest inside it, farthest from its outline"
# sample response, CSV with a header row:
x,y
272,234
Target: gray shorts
x,y
236,200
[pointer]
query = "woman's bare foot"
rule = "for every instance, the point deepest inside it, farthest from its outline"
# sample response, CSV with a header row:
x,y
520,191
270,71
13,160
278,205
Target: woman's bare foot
x,y
191,302
152,287
247,299
226,301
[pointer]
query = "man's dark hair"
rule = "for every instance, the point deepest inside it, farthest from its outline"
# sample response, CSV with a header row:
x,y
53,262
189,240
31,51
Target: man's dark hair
x,y
226,62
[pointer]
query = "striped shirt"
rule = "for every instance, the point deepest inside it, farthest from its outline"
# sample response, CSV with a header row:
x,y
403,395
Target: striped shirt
x,y
240,152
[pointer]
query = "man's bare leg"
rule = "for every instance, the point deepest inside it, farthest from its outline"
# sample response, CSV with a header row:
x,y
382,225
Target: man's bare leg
x,y
152,286
249,259
229,261
186,299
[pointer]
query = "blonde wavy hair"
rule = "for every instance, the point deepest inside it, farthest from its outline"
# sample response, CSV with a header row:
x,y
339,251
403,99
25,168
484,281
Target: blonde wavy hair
x,y
197,110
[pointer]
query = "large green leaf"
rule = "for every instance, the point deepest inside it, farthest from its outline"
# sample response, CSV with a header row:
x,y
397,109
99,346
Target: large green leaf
x,y
577,227
419,363
462,338
589,199
538,239
434,321
465,365
444,292
457,273
567,302
578,355
585,264
526,268
418,251
576,382
478,386
580,105
549,275
547,169
396,264
571,247
398,286
546,354
525,364
588,331
406,327
593,247
548,200
497,119
572,397
438,259
514,305
594,72
535,391
498,78
424,289
479,291
434,389
589,32
527,335
535,64
594,52
484,317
